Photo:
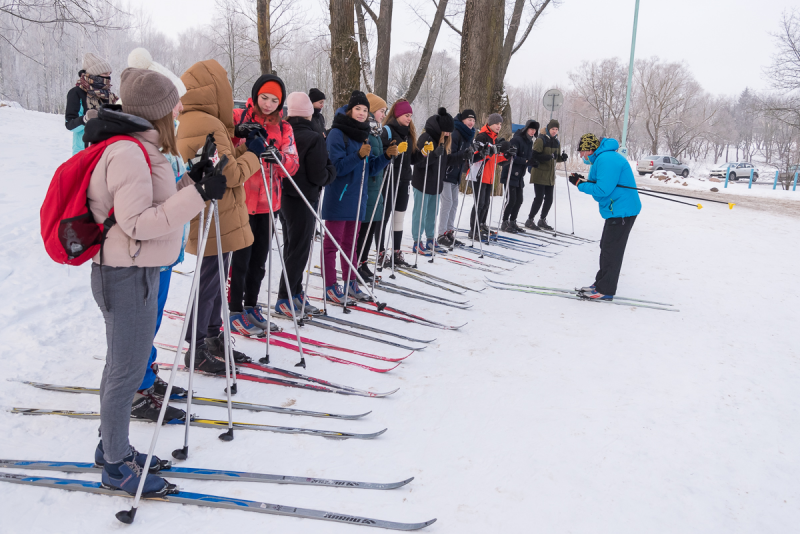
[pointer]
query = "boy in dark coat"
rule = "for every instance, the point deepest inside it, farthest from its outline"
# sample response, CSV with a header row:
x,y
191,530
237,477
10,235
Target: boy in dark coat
x,y
514,173
317,118
546,150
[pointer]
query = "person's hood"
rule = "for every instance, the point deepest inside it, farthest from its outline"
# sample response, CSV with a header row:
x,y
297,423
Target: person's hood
x,y
209,91
299,123
110,122
530,124
433,129
608,144
467,134
488,132
264,78
342,110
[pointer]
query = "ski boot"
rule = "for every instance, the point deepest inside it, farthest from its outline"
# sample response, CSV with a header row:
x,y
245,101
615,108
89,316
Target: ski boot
x,y
420,249
587,289
594,295
354,291
383,260
445,240
520,230
160,388
310,309
216,348
508,227
147,406
439,249
530,223
125,476
156,464
242,325
399,261
456,242
204,361
255,316
543,225
365,273
334,293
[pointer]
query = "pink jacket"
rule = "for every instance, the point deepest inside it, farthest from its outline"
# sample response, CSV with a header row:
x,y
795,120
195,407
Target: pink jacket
x,y
150,210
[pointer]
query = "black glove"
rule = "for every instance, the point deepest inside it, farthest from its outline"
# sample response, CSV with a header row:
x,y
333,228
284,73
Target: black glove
x,y
256,145
439,150
271,155
574,178
564,156
534,163
198,170
464,154
248,130
503,146
214,184
201,163
511,153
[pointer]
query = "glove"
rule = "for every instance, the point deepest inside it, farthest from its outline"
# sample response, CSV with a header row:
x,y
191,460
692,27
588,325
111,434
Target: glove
x,y
427,148
393,149
364,151
198,171
503,146
91,114
464,154
576,178
214,184
256,145
248,130
533,163
511,152
564,156
402,147
271,155
439,150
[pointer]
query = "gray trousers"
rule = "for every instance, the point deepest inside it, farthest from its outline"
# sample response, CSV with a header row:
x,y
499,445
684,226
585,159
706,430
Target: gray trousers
x,y
448,208
128,298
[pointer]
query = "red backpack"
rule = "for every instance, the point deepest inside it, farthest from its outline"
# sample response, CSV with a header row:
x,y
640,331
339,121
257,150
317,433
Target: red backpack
x,y
70,233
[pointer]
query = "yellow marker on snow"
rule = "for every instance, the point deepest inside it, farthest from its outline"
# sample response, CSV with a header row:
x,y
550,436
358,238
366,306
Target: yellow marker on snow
x,y
699,206
730,205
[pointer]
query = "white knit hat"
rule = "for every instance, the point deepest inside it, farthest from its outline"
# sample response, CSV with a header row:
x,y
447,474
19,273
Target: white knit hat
x,y
140,58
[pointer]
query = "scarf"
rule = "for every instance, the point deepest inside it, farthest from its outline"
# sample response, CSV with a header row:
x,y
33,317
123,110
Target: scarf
x,y
98,90
357,131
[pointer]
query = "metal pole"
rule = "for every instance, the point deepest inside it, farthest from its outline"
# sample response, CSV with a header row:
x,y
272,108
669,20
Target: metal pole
x,y
436,208
421,213
775,183
355,239
569,196
727,175
226,326
378,260
394,204
794,184
624,149
750,184
268,191
308,268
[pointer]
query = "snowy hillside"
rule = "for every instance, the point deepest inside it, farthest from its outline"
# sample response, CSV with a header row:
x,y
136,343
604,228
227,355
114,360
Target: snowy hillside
x,y
542,414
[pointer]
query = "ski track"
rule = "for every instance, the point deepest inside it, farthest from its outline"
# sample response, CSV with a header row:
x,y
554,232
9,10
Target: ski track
x,y
541,415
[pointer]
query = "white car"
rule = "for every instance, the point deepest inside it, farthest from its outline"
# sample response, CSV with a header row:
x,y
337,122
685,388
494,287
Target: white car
x,y
739,170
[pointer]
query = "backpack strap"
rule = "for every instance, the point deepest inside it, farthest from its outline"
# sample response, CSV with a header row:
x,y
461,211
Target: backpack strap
x,y
388,131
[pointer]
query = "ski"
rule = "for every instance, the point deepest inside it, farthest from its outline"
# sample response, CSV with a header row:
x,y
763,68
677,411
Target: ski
x,y
443,280
381,286
408,317
211,423
352,324
351,333
578,297
422,293
494,255
212,501
462,264
207,401
544,238
427,281
562,234
478,262
577,292
199,473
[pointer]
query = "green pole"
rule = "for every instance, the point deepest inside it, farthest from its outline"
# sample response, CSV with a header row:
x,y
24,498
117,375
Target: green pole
x,y
624,149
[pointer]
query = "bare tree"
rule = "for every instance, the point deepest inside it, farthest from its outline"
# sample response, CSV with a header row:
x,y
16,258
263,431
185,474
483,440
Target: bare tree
x,y
345,61
366,67
233,40
785,68
383,24
601,85
427,51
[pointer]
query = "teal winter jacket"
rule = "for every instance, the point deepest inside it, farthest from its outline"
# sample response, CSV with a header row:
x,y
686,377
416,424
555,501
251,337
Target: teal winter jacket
x,y
610,169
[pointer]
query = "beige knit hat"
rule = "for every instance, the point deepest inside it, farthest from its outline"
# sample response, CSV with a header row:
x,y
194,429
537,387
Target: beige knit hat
x,y
147,94
140,58
95,65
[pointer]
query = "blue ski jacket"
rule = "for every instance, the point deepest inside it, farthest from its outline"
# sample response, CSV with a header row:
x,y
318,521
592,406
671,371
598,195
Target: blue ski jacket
x,y
609,169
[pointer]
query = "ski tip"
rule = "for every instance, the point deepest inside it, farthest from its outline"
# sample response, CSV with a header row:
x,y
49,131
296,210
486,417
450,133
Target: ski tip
x,y
373,435
386,394
359,416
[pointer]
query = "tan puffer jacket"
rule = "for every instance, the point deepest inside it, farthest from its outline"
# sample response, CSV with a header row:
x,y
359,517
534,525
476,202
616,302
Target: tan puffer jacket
x,y
150,211
208,108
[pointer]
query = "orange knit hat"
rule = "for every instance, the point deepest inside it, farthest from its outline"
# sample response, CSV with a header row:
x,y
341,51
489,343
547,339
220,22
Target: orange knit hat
x,y
272,87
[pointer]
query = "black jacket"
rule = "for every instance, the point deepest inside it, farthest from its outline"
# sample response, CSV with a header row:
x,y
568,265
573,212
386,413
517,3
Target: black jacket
x,y
318,122
436,165
524,157
462,139
76,108
411,157
316,170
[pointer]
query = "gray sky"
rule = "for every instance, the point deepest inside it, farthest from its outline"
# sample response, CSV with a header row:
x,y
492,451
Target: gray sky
x,y
725,43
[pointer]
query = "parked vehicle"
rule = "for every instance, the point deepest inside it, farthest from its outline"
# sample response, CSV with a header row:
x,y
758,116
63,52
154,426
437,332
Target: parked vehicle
x,y
240,104
648,164
738,170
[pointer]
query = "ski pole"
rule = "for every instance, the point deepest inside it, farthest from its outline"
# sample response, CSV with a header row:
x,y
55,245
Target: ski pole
x,y
651,191
183,453
322,238
569,196
421,213
463,198
346,279
491,202
127,516
395,246
436,208
506,194
226,327
379,262
365,245
308,267
698,206
273,151
268,192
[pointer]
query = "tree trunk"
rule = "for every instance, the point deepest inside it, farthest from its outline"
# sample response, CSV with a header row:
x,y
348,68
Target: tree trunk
x,y
481,46
384,24
366,68
264,52
345,62
427,51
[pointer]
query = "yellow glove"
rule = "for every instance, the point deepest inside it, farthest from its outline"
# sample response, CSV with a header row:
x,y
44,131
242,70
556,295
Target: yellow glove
x,y
427,148
402,147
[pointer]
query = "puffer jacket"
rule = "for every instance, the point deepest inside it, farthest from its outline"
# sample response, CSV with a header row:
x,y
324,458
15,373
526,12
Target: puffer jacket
x,y
281,134
150,209
547,151
487,170
315,170
524,157
73,117
610,169
436,165
462,139
394,131
208,108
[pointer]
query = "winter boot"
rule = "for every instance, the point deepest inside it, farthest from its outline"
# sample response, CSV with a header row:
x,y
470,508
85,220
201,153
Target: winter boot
x,y
354,291
456,242
439,249
309,309
383,260
594,295
520,230
255,316
544,226
334,293
204,361
216,348
587,289
365,273
445,240
126,475
399,261
420,249
531,224
147,406
242,325
283,307
156,464
160,388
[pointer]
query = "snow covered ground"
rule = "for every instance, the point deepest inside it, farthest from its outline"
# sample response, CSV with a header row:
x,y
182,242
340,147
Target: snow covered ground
x,y
541,415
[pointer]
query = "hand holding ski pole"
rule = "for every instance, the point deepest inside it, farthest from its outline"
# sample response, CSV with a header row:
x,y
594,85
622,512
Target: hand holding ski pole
x,y
427,148
576,178
402,147
392,150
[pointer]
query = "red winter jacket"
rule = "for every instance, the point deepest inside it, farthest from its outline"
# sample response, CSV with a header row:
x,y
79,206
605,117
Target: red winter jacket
x,y
281,131
488,136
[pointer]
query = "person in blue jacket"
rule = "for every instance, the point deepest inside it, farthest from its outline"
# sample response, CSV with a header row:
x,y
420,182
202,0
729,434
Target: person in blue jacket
x,y
351,154
619,206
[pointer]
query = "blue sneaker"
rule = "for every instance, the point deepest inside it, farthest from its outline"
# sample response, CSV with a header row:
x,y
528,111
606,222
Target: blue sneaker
x,y
354,291
334,293
242,325
125,476
594,295
420,249
156,464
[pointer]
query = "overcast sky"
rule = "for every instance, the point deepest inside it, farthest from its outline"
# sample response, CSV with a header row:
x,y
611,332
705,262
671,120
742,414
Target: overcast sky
x,y
725,43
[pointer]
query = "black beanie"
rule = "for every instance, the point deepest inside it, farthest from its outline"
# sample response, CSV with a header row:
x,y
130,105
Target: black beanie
x,y
467,114
445,120
315,95
357,99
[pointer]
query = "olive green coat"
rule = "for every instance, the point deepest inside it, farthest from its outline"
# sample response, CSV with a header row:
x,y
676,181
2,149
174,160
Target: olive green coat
x,y
544,148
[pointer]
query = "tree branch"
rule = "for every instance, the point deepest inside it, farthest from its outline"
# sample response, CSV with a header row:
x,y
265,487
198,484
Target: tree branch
x,y
446,21
422,69
535,17
369,11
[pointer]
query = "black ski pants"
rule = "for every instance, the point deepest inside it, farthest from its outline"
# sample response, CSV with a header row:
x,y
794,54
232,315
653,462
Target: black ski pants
x,y
543,200
612,250
248,265
400,207
482,194
298,230
368,233
513,204
209,308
